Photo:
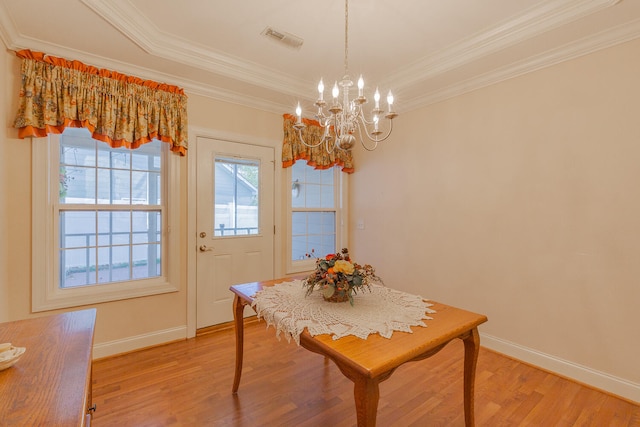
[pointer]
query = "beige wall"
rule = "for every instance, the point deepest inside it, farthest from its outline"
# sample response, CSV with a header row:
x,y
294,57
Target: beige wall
x,y
15,202
119,320
10,212
520,201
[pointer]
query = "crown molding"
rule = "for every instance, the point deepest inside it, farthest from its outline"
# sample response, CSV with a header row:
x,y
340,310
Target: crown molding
x,y
13,40
584,46
550,15
540,19
207,91
134,25
8,30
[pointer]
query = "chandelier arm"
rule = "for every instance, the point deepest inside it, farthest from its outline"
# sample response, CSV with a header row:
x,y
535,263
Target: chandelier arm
x,y
376,139
362,128
330,147
304,142
330,141
365,121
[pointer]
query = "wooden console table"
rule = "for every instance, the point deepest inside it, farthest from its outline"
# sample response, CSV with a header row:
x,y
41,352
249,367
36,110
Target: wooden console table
x,y
51,383
369,362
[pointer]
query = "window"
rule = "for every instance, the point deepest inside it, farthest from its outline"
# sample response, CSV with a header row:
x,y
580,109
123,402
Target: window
x,y
101,221
316,215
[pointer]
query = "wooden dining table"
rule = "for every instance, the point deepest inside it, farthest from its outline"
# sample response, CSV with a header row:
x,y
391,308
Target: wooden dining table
x,y
369,362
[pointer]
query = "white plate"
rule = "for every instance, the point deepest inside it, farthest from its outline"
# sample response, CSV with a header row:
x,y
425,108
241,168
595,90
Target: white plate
x,y
9,357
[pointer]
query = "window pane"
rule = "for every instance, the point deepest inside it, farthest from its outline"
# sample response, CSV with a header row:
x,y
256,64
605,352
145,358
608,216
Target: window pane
x,y
114,228
314,223
114,264
299,248
312,233
77,185
328,244
146,261
113,158
313,176
311,188
147,157
236,193
327,196
77,267
312,196
120,187
298,223
154,188
77,148
146,227
140,188
102,246
77,229
104,186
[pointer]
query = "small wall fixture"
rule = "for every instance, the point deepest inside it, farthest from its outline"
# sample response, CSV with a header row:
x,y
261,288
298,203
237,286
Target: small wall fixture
x,y
295,189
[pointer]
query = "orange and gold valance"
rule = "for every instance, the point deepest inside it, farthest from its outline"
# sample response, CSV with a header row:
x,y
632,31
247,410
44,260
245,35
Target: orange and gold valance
x,y
121,110
318,157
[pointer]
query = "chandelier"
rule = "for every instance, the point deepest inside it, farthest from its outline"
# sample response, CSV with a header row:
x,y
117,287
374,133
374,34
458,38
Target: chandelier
x,y
342,120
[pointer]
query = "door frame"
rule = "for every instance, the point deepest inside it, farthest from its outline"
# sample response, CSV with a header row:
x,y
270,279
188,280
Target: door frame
x,y
192,245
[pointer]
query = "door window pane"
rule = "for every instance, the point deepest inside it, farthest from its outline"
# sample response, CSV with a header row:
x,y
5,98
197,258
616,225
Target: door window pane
x,y
236,193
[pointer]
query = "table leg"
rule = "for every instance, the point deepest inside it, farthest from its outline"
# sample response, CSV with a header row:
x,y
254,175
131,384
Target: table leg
x,y
238,318
471,349
367,393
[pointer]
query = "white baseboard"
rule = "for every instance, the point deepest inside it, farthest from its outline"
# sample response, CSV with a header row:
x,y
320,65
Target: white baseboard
x,y
137,342
600,380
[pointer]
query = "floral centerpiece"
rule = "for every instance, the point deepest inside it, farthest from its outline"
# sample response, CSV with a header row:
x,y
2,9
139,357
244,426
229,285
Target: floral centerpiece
x,y
339,278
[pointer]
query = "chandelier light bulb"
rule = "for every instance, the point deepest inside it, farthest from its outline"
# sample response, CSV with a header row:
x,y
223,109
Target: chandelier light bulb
x,y
321,89
335,91
299,113
360,85
376,98
390,100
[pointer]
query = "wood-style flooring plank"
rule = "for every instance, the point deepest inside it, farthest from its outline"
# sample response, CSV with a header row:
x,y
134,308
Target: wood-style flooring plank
x,y
188,383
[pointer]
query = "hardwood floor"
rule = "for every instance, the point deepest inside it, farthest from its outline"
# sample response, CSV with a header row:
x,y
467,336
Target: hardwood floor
x,y
188,383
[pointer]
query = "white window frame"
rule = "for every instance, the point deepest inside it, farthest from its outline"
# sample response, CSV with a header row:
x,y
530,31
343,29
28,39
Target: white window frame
x,y
341,186
46,293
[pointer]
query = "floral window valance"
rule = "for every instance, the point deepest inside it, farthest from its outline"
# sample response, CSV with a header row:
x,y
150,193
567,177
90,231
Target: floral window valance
x,y
121,110
318,157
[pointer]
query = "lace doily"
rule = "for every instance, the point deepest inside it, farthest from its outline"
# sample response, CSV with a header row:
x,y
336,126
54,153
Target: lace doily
x,y
382,311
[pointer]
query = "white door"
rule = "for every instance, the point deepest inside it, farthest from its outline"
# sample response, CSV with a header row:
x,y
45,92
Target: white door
x,y
235,224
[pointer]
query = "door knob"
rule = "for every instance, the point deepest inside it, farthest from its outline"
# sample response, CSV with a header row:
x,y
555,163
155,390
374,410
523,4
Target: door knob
x,y
204,248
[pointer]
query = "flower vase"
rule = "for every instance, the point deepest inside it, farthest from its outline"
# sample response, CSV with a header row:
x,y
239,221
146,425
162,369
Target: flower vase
x,y
338,296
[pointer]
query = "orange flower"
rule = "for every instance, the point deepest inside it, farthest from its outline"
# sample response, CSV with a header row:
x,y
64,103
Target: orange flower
x,y
330,257
330,270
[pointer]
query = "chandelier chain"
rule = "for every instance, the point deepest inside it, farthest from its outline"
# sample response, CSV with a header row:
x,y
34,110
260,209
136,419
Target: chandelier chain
x,y
346,37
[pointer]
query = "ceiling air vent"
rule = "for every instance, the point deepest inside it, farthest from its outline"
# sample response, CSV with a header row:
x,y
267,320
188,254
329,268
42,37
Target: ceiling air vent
x,y
283,38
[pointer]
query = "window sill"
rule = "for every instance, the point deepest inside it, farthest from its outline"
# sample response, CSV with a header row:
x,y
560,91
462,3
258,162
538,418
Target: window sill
x,y
301,267
85,295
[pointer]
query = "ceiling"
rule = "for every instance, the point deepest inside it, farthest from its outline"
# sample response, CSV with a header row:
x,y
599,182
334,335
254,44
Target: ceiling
x,y
423,50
